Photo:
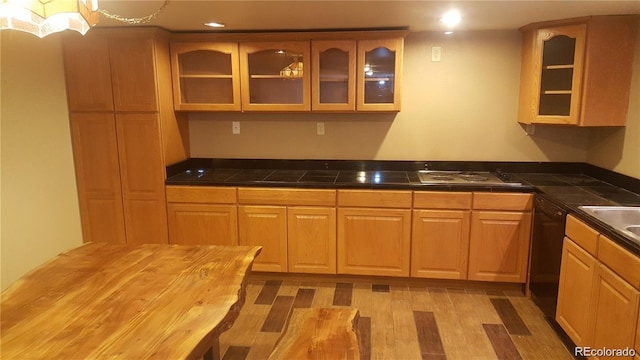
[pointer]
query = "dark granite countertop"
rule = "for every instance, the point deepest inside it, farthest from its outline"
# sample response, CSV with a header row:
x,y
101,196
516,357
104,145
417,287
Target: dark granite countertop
x,y
570,185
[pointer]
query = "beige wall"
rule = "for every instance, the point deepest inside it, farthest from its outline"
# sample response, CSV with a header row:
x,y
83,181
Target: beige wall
x,y
40,216
618,149
462,108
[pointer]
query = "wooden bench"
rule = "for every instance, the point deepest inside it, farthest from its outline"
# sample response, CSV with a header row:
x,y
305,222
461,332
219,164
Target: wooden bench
x,y
319,333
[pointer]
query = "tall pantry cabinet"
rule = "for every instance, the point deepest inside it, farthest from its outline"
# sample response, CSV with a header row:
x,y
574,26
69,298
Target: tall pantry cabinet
x,y
124,131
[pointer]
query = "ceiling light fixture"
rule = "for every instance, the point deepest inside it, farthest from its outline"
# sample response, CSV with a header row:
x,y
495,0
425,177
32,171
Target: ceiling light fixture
x,y
451,18
214,24
44,17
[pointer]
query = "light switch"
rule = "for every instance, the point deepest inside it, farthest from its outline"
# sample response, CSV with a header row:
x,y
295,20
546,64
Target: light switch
x,y
235,127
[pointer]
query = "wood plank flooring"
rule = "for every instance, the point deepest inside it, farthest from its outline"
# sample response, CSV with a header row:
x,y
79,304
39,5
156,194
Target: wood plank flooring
x,y
399,320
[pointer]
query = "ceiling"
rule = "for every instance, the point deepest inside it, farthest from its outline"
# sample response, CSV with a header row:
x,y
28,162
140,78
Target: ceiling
x,y
417,15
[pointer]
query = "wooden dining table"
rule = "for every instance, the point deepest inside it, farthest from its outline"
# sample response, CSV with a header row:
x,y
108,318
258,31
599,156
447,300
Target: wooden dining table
x,y
115,301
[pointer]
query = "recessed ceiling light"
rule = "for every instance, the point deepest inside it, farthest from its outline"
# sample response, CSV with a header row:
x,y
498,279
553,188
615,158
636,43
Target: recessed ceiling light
x,y
214,24
448,32
451,18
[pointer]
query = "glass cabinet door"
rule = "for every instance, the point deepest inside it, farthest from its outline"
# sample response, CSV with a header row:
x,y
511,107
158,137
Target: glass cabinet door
x,y
275,76
206,76
561,54
334,69
379,73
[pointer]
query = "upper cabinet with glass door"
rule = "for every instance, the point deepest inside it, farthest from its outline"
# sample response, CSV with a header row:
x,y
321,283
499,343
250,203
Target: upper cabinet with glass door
x,y
275,76
379,73
334,75
205,76
577,71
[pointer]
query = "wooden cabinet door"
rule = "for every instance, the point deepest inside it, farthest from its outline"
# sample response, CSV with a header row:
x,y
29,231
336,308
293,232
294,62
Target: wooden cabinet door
x,y
499,246
638,335
379,75
142,176
613,312
334,75
276,76
577,273
206,76
311,240
440,244
87,73
265,226
202,224
559,65
95,151
374,241
133,72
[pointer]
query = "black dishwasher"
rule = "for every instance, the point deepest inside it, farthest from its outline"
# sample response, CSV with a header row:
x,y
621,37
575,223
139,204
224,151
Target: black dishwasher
x,y
546,253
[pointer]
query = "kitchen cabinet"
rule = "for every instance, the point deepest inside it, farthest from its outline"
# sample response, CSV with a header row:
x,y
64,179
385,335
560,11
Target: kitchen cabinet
x,y
88,74
95,150
206,76
202,215
598,297
142,176
614,311
500,235
374,232
311,240
577,274
343,71
275,76
379,74
567,75
440,234
133,101
637,341
295,227
334,75
265,226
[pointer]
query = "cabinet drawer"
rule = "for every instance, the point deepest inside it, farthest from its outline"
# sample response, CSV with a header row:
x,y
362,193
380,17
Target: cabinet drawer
x,y
502,201
374,198
265,196
442,200
624,263
582,234
201,194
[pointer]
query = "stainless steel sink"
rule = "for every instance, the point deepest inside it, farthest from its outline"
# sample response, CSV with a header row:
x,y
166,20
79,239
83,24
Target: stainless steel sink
x,y
625,219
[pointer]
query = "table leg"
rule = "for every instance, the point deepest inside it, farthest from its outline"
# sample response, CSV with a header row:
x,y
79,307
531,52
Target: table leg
x,y
214,351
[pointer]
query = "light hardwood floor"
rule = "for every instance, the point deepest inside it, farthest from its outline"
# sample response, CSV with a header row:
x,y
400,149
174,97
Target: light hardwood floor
x,y
400,319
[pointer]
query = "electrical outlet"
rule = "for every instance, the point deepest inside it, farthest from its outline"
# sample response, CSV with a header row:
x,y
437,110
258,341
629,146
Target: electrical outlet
x,y
235,127
320,128
436,53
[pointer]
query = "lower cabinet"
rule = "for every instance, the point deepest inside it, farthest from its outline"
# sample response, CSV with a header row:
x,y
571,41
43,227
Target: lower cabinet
x,y
440,234
577,273
202,215
265,226
440,244
500,237
374,241
374,232
295,227
202,224
311,245
426,234
598,294
638,337
499,246
614,311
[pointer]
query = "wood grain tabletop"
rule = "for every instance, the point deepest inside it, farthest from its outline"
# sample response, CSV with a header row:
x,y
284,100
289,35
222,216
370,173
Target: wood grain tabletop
x,y
125,302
